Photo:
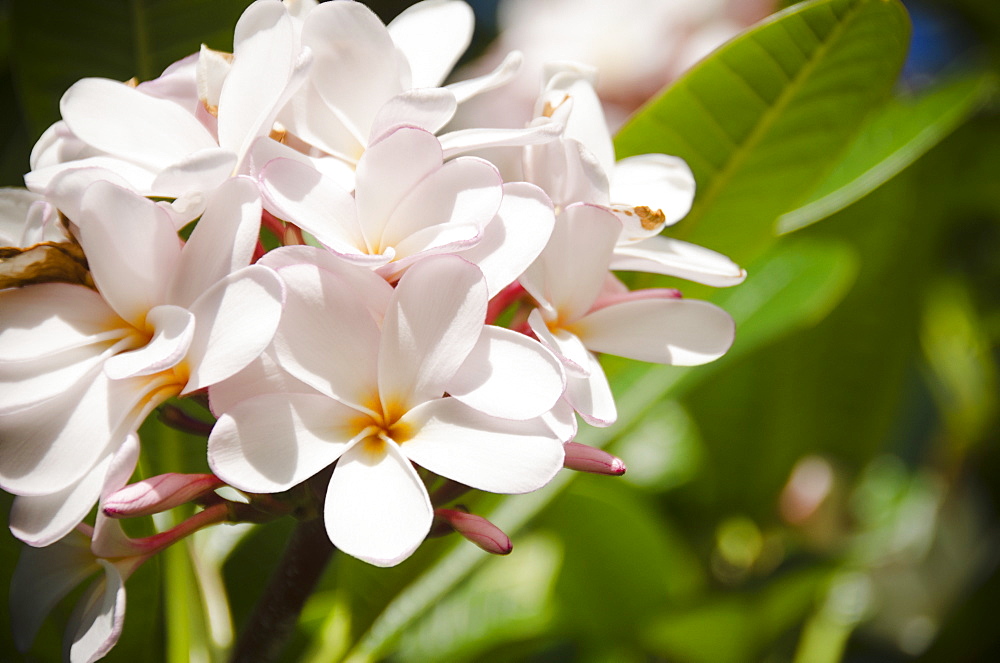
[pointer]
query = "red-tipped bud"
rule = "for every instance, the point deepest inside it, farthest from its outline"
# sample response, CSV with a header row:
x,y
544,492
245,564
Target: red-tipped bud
x,y
477,529
582,458
158,493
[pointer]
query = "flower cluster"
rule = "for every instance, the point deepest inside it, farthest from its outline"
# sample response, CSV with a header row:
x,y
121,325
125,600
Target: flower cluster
x,y
337,303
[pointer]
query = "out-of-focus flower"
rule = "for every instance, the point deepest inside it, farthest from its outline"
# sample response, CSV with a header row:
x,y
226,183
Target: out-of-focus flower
x,y
419,379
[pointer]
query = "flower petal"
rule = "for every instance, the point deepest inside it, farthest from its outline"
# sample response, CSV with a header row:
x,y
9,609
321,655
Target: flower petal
x,y
438,311
514,238
487,453
377,508
566,346
42,577
432,36
327,338
97,621
132,262
591,395
503,74
200,171
680,332
223,241
458,142
657,181
508,375
272,442
123,121
173,330
234,321
425,108
663,255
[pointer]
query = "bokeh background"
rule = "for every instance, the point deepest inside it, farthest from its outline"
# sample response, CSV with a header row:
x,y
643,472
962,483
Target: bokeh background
x,y
827,491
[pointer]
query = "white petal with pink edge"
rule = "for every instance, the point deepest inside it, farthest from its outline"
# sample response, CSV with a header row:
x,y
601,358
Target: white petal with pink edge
x,y
508,375
680,332
97,621
377,508
487,453
591,395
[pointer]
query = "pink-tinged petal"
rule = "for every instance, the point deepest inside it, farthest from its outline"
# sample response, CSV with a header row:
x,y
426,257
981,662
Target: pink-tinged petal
x,y
466,191
261,376
458,142
514,238
432,36
425,108
591,396
487,453
173,330
571,270
178,83
132,249
234,321
438,311
42,577
583,458
64,183
657,181
299,193
97,621
443,238
503,74
222,242
158,493
508,375
272,442
680,332
566,346
561,420
200,171
477,529
371,289
40,520
310,118
354,54
122,121
50,318
663,255
264,52
377,508
327,338
388,171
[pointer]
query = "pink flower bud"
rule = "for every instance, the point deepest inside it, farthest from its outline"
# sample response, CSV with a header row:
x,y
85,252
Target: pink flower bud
x,y
582,458
158,493
478,530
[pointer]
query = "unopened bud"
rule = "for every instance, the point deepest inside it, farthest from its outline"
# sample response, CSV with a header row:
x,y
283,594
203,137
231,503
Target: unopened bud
x,y
478,530
158,493
582,458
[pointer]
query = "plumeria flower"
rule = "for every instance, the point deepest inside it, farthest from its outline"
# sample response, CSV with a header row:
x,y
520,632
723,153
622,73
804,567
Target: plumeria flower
x,y
44,576
80,368
418,379
583,309
150,138
647,192
409,203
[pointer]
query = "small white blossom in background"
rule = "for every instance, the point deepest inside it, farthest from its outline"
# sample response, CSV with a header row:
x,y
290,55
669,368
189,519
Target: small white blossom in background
x,y
356,372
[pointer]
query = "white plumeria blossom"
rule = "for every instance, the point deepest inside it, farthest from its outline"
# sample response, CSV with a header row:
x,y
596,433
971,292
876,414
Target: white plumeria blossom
x,y
409,203
580,314
155,142
424,381
647,192
80,369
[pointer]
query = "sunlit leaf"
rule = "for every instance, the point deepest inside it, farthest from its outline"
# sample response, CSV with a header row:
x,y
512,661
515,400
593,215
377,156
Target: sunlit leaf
x,y
896,136
762,120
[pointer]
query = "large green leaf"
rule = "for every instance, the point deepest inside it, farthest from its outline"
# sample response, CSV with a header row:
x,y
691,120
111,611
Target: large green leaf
x,y
896,136
763,119
55,43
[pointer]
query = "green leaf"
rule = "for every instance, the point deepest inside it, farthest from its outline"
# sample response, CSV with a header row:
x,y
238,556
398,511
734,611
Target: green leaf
x,y
55,43
761,121
794,286
896,136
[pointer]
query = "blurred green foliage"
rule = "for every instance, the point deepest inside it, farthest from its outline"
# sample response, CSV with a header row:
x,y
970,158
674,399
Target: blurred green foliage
x,y
825,492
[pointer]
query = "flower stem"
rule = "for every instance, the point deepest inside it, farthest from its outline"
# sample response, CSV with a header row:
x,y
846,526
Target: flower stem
x,y
274,617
